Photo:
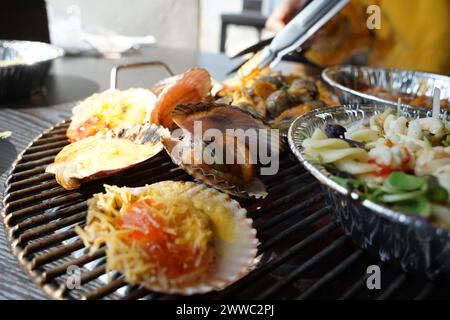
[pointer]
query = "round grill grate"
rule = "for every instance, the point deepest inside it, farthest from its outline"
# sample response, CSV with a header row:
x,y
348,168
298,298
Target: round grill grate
x,y
304,254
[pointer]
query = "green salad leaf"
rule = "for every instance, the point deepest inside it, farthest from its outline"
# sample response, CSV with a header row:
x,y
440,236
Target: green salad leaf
x,y
418,205
401,182
446,141
437,194
354,184
408,193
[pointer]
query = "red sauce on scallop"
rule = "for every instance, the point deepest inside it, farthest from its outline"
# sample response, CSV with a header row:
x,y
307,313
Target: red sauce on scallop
x,y
162,248
89,128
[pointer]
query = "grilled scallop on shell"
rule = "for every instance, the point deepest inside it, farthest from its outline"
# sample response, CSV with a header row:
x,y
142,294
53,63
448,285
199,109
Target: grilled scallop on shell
x,y
238,178
110,110
232,246
105,154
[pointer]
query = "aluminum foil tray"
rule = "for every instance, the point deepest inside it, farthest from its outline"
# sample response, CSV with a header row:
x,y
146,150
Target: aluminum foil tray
x,y
348,80
413,244
24,66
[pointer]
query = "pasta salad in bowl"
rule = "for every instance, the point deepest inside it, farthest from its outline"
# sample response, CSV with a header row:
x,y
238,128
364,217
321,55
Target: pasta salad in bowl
x,y
387,173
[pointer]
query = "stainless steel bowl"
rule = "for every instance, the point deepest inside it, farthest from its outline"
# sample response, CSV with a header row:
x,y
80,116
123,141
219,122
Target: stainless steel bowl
x,y
348,80
413,244
24,66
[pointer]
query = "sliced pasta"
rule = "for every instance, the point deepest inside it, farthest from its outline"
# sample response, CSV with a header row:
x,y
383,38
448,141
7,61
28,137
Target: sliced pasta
x,y
355,167
338,152
365,135
401,162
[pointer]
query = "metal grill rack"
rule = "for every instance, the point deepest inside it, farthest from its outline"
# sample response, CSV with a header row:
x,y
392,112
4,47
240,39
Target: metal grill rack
x,y
303,253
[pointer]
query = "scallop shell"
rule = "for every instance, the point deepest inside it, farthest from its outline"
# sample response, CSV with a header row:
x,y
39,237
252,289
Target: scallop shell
x,y
220,117
184,114
233,260
206,174
193,85
158,87
147,134
142,134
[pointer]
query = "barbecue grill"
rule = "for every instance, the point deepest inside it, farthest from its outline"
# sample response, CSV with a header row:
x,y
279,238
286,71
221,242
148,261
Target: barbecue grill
x,y
303,253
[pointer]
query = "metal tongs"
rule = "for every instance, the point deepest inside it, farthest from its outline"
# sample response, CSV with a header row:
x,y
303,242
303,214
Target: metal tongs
x,y
297,31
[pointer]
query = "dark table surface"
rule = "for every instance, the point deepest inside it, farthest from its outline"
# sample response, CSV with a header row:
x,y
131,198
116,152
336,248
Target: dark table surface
x,y
72,79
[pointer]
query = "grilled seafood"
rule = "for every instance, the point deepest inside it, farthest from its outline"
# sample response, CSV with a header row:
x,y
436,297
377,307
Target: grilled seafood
x,y
269,94
202,156
105,154
277,102
110,110
192,86
284,120
303,90
172,237
113,109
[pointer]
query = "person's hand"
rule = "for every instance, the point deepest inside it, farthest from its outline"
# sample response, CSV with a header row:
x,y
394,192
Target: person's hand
x,y
283,14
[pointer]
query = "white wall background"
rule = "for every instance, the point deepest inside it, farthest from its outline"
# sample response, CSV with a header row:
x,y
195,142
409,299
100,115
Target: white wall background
x,y
174,23
189,24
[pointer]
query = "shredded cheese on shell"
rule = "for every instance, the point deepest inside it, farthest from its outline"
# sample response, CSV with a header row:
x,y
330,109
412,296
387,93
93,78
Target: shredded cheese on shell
x,y
183,216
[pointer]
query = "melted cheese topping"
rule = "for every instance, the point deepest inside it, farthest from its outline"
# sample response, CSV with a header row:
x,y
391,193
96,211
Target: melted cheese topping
x,y
110,110
95,154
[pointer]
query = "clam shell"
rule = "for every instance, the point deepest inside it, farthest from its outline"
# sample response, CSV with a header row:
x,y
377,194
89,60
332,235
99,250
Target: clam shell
x,y
147,134
233,260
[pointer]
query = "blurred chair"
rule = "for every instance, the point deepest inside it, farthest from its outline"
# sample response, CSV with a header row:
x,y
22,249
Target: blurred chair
x,y
250,16
24,20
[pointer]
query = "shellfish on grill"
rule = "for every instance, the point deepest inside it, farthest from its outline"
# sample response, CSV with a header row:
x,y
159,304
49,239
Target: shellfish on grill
x,y
229,158
192,86
105,154
110,110
172,236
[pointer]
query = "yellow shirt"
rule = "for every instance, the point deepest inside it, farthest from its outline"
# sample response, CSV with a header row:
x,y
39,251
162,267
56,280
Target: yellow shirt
x,y
414,35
